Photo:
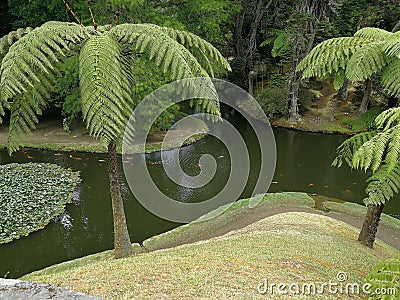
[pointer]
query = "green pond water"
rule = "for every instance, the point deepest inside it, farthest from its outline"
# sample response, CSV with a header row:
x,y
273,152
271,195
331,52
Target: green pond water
x,y
303,164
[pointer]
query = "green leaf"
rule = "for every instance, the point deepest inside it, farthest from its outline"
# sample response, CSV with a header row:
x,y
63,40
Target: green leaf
x,y
366,61
339,79
105,87
31,195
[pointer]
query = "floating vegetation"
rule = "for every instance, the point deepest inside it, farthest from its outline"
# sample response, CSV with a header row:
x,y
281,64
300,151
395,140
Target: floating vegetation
x,y
31,195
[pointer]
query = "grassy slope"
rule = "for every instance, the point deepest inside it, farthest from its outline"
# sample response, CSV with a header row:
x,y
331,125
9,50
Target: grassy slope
x,y
295,247
354,209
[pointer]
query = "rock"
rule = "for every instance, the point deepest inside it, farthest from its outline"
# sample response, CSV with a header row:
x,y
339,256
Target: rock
x,y
21,290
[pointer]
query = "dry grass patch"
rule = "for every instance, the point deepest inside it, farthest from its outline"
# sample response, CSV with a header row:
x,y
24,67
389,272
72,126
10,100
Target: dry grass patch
x,y
293,247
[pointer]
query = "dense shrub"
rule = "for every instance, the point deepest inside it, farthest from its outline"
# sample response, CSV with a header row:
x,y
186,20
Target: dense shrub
x,y
367,119
273,101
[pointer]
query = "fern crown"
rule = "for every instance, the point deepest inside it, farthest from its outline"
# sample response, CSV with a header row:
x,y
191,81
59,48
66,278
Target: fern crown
x,y
31,58
369,51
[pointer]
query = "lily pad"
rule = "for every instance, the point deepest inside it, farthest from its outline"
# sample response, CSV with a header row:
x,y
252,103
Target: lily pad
x,y
31,195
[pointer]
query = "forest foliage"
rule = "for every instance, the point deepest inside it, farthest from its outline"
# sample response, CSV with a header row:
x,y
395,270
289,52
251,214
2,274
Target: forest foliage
x,y
261,38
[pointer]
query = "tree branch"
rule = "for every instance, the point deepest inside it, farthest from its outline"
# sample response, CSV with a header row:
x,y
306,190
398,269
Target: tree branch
x,y
396,27
117,15
91,14
72,13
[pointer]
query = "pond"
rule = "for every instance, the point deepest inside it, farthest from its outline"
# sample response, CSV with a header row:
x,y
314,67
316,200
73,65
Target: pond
x,y
303,164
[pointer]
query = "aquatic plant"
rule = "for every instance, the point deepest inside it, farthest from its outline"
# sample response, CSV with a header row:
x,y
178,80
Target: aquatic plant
x,y
31,194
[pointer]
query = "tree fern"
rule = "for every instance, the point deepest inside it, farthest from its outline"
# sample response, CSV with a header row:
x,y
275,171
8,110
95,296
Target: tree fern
x,y
371,51
32,59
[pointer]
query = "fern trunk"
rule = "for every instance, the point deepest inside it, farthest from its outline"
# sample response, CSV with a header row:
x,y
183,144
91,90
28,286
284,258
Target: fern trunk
x,y
370,226
344,90
294,85
122,242
367,92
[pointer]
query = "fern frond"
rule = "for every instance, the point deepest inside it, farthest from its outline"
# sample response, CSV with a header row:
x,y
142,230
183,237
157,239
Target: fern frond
x,y
8,40
346,150
281,44
330,56
24,111
390,78
105,88
5,43
373,153
388,118
146,39
385,276
28,74
339,79
33,54
383,185
365,61
373,33
393,149
152,41
392,45
198,47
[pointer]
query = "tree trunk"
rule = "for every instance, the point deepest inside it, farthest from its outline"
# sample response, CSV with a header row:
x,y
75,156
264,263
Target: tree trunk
x,y
251,83
344,90
122,242
294,115
259,11
258,14
367,92
396,27
294,85
304,24
392,102
238,34
370,225
302,45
